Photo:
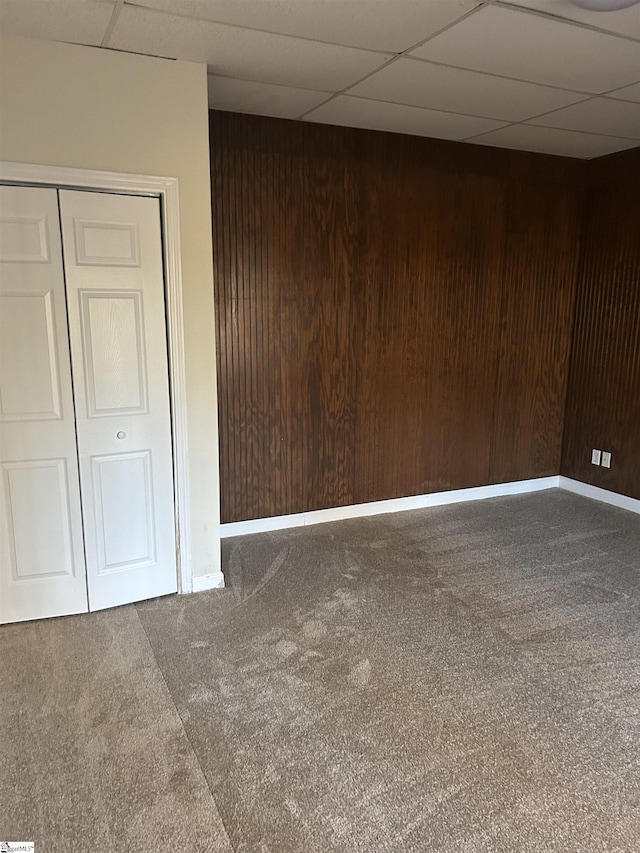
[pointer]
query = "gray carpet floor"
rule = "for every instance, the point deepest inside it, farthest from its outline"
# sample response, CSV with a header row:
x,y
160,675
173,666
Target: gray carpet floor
x,y
464,678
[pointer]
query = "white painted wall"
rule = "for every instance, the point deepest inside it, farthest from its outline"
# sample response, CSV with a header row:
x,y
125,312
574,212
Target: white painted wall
x,y
88,108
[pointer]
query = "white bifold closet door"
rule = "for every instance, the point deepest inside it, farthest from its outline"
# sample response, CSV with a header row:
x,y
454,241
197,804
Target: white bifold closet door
x,y
115,297
113,515
42,565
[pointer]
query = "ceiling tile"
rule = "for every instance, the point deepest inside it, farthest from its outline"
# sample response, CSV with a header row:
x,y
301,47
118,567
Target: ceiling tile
x,y
551,141
377,115
598,115
247,54
386,26
626,22
531,47
439,87
629,93
241,96
79,21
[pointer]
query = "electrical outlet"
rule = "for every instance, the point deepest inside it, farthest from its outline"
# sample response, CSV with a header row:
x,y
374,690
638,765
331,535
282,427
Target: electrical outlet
x,y
606,459
596,456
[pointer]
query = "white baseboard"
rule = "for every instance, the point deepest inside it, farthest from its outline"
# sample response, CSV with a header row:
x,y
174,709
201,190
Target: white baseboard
x,y
261,525
598,494
319,516
203,582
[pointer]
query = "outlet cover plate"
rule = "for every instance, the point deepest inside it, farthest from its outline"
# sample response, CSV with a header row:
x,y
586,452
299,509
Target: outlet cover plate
x,y
596,456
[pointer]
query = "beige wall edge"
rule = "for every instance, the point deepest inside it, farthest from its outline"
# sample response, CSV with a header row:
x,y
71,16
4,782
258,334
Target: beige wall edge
x,y
90,108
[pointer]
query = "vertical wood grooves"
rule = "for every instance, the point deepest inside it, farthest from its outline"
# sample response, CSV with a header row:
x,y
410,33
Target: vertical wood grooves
x,y
603,401
394,313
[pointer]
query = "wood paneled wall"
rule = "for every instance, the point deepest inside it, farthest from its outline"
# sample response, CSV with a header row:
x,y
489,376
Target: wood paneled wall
x,y
394,313
603,403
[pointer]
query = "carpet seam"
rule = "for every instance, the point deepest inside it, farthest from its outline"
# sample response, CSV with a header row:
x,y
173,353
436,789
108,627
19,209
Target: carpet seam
x,y
186,733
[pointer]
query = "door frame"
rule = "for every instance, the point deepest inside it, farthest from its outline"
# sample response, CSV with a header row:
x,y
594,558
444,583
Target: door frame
x,y
166,190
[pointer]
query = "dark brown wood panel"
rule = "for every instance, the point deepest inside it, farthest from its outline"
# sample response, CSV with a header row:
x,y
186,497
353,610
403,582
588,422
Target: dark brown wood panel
x,y
286,362
393,313
427,330
603,403
542,224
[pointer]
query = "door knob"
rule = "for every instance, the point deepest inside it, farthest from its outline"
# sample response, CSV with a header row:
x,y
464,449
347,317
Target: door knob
x,y
121,434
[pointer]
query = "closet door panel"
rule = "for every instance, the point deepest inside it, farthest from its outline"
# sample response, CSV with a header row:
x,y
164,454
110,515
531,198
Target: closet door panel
x,y
115,291
42,561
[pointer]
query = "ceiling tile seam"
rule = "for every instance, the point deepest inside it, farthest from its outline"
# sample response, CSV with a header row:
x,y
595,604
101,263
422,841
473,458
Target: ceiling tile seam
x,y
528,120
180,16
390,61
610,92
446,28
559,129
396,53
485,132
440,110
601,134
334,95
550,16
513,79
113,20
557,109
216,75
125,50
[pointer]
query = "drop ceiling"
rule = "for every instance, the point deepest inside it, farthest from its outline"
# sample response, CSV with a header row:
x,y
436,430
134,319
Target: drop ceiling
x,y
538,75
